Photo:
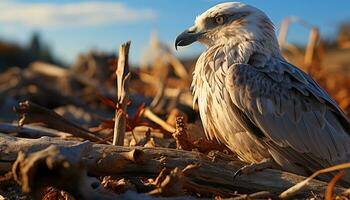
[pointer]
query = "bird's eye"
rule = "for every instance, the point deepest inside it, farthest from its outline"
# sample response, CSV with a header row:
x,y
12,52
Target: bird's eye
x,y
220,19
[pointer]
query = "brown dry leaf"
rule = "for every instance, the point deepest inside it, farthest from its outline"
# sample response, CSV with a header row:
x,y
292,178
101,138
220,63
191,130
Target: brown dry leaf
x,y
171,184
117,186
55,194
202,145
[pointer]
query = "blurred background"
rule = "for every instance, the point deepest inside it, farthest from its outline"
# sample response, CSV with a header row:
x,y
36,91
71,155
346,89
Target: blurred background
x,y
59,30
59,53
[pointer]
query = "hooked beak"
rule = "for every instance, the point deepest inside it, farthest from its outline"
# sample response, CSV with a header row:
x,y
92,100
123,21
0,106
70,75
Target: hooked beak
x,y
187,37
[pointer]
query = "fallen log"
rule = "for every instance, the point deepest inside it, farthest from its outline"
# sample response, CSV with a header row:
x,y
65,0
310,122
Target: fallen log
x,y
216,171
63,169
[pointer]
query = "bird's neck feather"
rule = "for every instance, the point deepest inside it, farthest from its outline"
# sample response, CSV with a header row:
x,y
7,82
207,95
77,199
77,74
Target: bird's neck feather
x,y
241,52
224,55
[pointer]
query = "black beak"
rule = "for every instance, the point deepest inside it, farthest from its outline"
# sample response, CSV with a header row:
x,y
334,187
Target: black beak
x,y
187,37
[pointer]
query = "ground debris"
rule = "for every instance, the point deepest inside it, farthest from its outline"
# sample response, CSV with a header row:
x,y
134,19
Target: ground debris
x,y
162,149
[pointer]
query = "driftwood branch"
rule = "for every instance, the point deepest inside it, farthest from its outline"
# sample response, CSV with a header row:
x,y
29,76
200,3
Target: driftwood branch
x,y
153,117
123,76
215,172
29,131
32,113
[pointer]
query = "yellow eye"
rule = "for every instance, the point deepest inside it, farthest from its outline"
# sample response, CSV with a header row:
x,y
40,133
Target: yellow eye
x,y
219,19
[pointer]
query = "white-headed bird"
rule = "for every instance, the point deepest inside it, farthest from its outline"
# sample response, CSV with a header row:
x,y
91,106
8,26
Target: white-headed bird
x,y
255,102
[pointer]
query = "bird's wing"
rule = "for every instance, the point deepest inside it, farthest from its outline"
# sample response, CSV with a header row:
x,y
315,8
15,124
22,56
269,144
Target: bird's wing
x,y
290,109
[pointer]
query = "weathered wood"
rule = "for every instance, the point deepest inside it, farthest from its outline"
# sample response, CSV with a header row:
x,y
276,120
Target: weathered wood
x,y
64,169
215,171
31,131
32,113
122,85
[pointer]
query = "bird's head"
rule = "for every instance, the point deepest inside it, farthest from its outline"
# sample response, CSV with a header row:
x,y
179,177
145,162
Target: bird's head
x,y
231,22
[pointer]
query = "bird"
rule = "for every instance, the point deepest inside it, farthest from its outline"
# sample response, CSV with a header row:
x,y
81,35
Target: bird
x,y
254,101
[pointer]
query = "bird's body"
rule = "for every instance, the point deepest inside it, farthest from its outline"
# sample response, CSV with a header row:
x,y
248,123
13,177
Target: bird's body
x,y
255,102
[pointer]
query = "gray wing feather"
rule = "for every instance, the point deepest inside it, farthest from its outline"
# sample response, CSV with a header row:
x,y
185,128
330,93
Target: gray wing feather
x,y
291,109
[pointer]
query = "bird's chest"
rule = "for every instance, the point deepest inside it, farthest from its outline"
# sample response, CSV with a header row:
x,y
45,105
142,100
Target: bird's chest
x,y
211,91
214,103
219,119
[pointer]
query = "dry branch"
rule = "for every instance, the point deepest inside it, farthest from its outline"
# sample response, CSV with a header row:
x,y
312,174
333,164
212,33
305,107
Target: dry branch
x,y
123,76
179,68
160,85
47,69
33,113
216,172
311,47
302,184
153,117
31,131
332,183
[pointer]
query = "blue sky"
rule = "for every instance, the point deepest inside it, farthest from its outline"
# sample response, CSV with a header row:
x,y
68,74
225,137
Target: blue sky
x,y
72,27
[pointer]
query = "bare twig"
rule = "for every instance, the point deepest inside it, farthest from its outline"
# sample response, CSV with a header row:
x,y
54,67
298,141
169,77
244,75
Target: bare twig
x,y
331,185
153,117
257,195
283,34
123,76
169,184
160,93
303,184
311,46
